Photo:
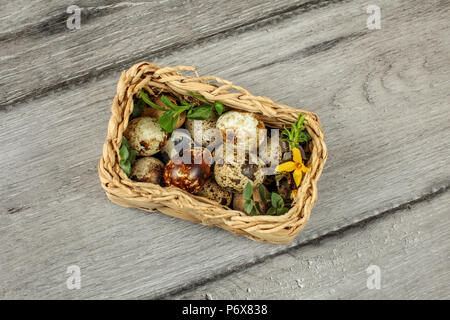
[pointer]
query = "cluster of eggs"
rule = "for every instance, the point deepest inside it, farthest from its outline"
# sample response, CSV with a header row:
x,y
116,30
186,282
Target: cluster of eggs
x,y
198,175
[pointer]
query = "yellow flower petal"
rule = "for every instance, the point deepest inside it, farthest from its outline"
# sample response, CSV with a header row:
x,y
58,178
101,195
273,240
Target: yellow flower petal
x,y
286,167
293,194
305,169
297,177
297,155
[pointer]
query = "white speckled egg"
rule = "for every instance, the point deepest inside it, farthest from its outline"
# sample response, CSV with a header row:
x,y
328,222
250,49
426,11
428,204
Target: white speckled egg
x,y
198,129
148,169
244,125
179,140
145,136
266,154
213,191
234,174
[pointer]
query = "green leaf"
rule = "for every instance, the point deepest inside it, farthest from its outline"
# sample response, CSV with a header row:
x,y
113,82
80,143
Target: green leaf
x,y
282,211
137,108
198,97
297,134
166,121
219,107
147,100
248,191
123,152
169,103
126,166
258,208
263,192
183,108
277,201
126,143
271,211
201,112
249,206
132,156
184,103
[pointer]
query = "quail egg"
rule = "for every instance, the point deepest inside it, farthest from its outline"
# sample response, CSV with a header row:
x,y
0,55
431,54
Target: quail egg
x,y
179,140
234,174
145,136
148,169
241,128
155,113
213,191
199,130
270,154
189,175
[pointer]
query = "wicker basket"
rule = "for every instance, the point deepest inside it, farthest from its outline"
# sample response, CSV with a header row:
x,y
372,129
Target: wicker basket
x,y
178,203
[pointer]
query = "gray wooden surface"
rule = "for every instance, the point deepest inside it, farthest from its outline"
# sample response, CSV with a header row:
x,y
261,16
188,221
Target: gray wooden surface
x,y
411,264
383,97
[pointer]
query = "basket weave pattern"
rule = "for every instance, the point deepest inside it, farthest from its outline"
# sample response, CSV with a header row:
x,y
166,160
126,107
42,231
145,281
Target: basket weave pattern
x,y
178,203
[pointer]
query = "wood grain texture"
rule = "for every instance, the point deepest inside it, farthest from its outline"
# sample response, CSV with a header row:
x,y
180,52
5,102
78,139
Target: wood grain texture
x,y
411,248
383,100
40,53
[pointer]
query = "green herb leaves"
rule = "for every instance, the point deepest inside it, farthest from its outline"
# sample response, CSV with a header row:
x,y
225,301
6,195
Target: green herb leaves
x,y
272,200
138,108
297,134
127,156
202,112
277,207
169,118
249,203
144,96
219,107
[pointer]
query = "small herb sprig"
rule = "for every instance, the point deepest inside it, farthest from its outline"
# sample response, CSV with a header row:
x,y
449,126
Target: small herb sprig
x,y
272,200
217,105
170,116
250,206
127,156
277,208
297,134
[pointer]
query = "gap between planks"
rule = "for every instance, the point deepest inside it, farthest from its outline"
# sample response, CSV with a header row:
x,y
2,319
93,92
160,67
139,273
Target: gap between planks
x,y
270,19
329,234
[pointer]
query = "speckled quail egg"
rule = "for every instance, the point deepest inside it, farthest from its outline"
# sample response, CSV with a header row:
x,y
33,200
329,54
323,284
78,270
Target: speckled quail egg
x,y
267,155
189,175
234,174
199,130
155,113
180,139
245,128
213,191
145,136
148,169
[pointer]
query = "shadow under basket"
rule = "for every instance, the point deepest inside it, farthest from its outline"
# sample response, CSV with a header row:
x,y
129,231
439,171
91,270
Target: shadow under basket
x,y
178,203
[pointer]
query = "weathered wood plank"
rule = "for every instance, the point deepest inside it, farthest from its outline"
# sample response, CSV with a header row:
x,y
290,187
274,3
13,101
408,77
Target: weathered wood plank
x,y
368,88
38,47
411,248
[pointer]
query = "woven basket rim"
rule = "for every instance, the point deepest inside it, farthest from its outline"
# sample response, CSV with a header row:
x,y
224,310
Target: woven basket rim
x,y
173,201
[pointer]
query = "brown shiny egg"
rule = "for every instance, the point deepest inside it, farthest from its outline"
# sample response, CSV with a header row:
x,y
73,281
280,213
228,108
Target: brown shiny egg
x,y
190,171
